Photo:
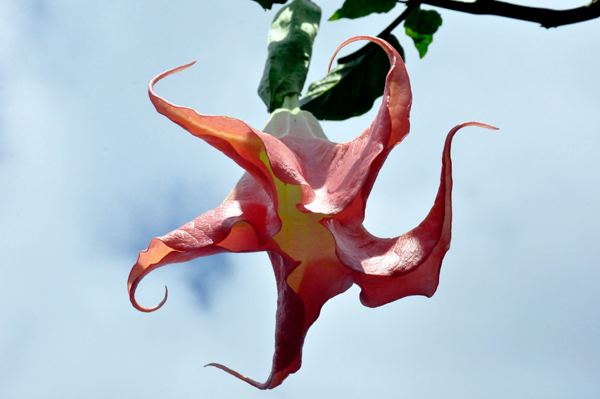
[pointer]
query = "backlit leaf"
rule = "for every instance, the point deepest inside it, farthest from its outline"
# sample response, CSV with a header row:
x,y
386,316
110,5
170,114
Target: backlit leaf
x,y
420,25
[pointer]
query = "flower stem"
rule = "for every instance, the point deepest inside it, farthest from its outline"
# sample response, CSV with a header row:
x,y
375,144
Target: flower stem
x,y
290,102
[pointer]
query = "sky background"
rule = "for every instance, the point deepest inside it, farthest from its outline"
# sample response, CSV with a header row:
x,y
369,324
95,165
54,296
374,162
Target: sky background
x,y
90,173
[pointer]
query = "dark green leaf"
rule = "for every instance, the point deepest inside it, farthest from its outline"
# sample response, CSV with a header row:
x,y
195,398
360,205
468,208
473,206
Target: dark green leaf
x,y
267,4
359,8
420,25
290,46
351,88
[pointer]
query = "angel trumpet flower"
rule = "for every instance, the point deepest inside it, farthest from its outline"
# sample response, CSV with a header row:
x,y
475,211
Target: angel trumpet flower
x,y
303,201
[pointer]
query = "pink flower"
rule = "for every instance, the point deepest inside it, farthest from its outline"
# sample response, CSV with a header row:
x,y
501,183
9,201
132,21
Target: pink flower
x,y
303,201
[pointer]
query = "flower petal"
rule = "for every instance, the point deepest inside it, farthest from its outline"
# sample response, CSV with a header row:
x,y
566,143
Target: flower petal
x,y
231,136
302,289
357,162
390,269
242,223
333,175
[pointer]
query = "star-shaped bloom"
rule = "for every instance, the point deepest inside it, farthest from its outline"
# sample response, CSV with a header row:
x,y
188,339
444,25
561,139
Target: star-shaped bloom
x,y
302,200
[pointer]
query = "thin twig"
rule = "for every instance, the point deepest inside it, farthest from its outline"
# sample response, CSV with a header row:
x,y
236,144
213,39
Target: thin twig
x,y
410,5
548,18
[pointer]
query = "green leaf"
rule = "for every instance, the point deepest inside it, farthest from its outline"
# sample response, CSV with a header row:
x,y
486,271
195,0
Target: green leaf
x,y
290,46
359,8
420,25
351,88
267,4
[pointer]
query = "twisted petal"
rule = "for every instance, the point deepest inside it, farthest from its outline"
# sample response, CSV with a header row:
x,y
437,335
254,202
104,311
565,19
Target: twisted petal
x,y
244,222
231,136
298,305
331,175
390,269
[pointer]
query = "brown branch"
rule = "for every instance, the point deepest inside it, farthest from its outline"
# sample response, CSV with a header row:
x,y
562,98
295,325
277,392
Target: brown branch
x,y
548,18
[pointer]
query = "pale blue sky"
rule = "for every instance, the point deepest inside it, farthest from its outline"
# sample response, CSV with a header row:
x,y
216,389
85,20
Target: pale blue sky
x,y
90,173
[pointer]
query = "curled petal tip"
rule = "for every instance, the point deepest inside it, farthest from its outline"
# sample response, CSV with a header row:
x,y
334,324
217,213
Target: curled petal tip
x,y
342,46
372,39
147,310
238,375
478,124
167,73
